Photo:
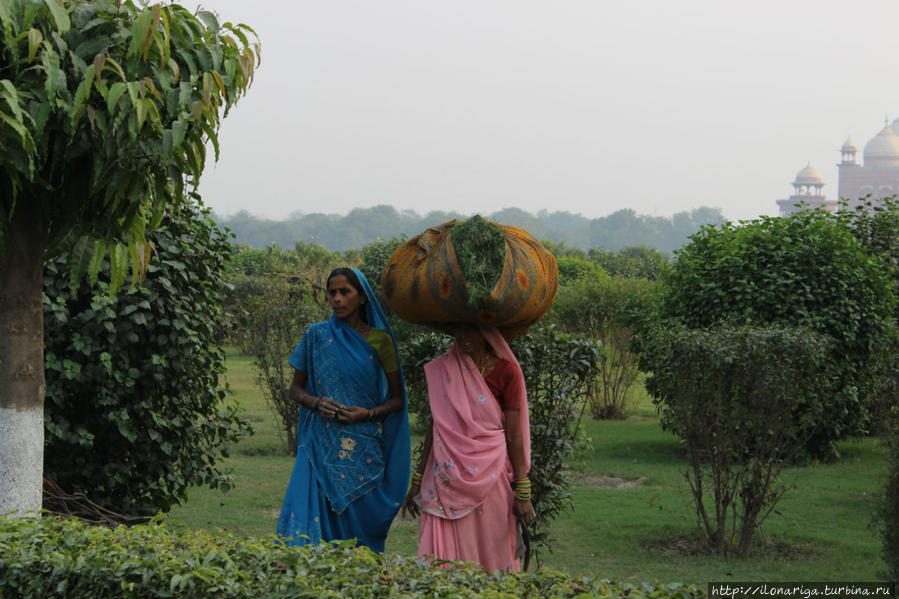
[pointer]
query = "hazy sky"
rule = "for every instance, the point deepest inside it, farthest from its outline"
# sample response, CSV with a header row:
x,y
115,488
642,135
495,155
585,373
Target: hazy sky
x,y
579,105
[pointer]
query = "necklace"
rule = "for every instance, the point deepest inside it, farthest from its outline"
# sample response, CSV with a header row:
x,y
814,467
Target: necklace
x,y
484,364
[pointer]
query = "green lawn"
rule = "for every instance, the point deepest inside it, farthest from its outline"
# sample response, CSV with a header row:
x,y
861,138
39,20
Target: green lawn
x,y
633,517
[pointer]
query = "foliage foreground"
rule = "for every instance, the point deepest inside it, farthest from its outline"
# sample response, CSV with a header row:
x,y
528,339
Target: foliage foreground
x,y
51,557
134,411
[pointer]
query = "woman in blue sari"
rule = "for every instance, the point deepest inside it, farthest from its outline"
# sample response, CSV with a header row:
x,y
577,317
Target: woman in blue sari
x,y
352,467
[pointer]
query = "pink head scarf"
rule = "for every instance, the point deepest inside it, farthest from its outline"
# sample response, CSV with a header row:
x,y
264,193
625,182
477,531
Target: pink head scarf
x,y
468,455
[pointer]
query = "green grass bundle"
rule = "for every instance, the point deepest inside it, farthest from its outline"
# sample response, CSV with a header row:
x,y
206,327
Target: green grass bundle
x,y
481,253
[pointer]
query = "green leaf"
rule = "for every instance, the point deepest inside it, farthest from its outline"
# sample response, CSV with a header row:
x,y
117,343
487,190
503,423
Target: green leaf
x,y
148,84
83,92
79,260
12,97
118,68
145,48
133,92
115,94
96,260
141,113
140,32
50,62
159,206
118,265
18,127
185,95
152,111
60,16
220,83
208,83
6,17
176,70
179,128
167,144
210,20
210,133
165,39
241,35
93,46
35,37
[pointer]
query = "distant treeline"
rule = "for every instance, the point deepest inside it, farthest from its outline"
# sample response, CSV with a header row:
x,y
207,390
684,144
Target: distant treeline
x,y
364,225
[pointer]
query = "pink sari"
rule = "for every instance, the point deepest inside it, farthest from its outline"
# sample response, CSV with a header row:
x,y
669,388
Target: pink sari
x,y
466,494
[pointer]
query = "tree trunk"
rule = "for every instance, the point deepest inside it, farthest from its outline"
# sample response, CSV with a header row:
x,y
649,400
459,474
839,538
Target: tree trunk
x,y
22,361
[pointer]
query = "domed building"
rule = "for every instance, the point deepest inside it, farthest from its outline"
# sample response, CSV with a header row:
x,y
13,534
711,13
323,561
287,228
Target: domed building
x,y
878,176
807,193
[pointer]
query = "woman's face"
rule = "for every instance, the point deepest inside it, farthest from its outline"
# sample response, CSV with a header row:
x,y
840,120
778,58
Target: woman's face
x,y
344,298
470,340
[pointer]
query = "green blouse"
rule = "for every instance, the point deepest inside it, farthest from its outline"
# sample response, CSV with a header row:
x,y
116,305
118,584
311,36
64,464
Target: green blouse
x,y
381,342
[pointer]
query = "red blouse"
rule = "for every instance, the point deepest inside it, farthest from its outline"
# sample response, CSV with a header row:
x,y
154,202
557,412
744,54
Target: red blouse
x,y
506,383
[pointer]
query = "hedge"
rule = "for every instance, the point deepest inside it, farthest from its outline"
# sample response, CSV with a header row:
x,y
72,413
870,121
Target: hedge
x,y
54,557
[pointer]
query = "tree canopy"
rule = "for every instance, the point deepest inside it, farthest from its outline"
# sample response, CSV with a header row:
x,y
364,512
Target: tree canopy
x,y
106,107
365,225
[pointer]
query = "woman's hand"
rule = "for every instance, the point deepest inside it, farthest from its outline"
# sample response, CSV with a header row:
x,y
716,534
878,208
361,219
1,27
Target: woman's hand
x,y
328,408
353,414
410,505
524,509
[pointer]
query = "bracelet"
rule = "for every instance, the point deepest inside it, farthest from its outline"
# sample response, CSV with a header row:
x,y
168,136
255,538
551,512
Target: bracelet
x,y
315,407
416,479
371,414
523,489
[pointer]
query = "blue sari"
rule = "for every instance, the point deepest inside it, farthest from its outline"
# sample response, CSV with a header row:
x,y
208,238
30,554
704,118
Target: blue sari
x,y
349,480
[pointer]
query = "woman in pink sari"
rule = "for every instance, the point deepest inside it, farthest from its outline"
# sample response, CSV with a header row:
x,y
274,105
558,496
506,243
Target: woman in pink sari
x,y
471,482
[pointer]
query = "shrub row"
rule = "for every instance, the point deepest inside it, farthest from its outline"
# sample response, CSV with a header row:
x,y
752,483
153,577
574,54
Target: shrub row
x,y
53,557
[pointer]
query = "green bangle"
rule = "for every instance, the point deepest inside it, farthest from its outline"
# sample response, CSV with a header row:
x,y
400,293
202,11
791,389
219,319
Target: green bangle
x,y
315,407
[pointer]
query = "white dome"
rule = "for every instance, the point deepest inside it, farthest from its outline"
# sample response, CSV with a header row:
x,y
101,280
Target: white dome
x,y
808,176
883,149
848,146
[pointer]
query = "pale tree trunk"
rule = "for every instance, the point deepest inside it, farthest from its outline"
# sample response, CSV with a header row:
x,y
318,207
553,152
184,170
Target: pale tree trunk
x,y
22,361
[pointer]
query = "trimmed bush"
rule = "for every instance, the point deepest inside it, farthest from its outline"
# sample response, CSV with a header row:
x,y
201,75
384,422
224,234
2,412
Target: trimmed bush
x,y
743,400
804,270
55,557
135,411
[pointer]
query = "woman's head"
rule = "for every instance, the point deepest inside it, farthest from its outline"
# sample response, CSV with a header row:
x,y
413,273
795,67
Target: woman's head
x,y
469,339
346,294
